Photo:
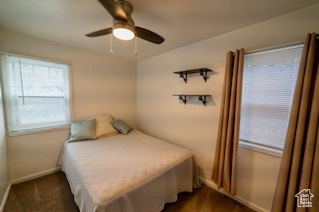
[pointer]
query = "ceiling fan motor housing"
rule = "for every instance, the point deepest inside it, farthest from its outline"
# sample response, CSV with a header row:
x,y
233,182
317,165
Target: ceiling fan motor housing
x,y
126,7
128,24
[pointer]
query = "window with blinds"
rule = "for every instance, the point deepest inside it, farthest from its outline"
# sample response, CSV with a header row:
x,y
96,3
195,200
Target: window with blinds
x,y
37,93
268,88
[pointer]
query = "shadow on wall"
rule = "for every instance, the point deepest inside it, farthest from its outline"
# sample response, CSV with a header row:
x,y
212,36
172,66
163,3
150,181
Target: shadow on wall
x,y
257,175
244,178
194,100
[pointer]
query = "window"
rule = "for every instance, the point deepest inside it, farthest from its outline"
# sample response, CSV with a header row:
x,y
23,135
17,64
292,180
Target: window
x,y
268,89
37,93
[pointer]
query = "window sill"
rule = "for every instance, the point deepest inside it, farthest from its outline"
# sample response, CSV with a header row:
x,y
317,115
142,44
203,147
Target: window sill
x,y
37,131
261,149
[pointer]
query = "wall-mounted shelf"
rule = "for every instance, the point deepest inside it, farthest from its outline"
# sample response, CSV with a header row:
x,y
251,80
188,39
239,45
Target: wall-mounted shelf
x,y
202,71
201,97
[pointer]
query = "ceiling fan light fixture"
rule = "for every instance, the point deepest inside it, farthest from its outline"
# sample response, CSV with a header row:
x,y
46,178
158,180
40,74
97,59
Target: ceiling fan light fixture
x,y
123,32
123,24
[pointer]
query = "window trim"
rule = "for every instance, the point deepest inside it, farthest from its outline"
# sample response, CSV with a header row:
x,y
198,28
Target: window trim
x,y
269,48
39,130
261,149
36,130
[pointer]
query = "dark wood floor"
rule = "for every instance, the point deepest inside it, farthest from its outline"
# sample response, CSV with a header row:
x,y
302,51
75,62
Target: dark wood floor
x,y
52,193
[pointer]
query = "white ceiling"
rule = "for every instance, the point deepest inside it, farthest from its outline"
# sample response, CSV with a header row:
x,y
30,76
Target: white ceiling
x,y
180,22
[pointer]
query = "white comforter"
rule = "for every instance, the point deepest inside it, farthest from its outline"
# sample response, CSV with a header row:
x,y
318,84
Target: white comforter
x,y
123,172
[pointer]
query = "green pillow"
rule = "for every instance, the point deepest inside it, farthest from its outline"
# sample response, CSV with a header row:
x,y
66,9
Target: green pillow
x,y
121,126
82,130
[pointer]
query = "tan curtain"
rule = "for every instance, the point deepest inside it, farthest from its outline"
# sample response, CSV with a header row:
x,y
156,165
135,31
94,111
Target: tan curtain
x,y
228,130
300,163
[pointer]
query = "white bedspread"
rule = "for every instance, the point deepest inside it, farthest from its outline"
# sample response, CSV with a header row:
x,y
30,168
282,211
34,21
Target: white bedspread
x,y
133,172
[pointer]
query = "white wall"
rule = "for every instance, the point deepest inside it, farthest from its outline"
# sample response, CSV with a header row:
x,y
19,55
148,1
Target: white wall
x,y
100,84
4,172
194,125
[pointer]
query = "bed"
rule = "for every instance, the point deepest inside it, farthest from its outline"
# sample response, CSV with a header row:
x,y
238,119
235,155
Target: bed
x,y
133,172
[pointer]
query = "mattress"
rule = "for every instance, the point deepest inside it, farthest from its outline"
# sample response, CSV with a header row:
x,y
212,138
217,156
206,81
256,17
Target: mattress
x,y
133,172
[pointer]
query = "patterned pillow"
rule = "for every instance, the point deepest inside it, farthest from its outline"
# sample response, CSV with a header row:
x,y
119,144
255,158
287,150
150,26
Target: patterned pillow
x,y
104,126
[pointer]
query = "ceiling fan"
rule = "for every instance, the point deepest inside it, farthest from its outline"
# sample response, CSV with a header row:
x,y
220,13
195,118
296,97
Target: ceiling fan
x,y
123,25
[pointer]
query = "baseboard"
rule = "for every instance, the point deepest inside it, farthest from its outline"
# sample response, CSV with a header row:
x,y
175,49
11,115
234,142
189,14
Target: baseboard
x,y
5,197
237,198
35,175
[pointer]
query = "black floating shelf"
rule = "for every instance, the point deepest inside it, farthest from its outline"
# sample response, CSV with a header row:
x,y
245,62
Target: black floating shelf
x,y
201,97
201,71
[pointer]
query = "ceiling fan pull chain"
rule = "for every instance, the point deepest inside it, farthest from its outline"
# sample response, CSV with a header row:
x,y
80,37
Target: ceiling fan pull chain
x,y
111,46
135,52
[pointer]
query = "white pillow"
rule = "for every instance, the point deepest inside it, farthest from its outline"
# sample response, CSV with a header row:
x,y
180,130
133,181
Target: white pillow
x,y
103,125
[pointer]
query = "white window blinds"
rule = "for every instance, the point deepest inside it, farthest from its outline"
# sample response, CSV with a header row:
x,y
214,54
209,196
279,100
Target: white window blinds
x,y
36,93
268,89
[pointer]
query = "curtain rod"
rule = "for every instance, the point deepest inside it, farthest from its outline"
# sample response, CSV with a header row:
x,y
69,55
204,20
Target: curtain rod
x,y
35,57
300,42
274,47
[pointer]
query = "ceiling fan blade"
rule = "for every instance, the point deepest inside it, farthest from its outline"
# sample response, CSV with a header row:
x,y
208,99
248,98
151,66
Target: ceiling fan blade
x,y
149,35
100,32
115,9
